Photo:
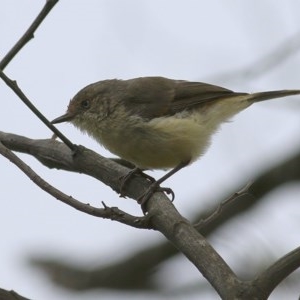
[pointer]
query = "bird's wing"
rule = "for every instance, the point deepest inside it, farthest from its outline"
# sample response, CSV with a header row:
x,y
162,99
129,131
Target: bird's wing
x,y
192,94
151,97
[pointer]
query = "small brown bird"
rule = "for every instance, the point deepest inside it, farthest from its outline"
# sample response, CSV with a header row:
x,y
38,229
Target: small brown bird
x,y
155,122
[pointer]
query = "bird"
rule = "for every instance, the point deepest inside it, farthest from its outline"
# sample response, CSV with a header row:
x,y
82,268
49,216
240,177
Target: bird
x,y
156,122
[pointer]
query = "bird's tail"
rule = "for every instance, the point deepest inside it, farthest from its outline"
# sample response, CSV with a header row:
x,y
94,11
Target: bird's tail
x,y
256,97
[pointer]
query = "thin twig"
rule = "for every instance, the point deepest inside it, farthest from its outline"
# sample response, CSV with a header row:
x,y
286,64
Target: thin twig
x,y
14,86
29,34
227,202
112,213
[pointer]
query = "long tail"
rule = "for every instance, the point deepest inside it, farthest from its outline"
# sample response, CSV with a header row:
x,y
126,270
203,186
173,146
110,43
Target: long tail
x,y
256,97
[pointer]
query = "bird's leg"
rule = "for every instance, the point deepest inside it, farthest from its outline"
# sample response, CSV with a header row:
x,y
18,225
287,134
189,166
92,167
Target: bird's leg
x,y
155,186
131,173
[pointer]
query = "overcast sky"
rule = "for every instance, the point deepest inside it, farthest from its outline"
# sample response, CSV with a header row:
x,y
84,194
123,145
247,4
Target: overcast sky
x,y
81,42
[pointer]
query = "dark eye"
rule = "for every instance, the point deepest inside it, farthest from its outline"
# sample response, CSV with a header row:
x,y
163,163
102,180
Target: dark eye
x,y
86,104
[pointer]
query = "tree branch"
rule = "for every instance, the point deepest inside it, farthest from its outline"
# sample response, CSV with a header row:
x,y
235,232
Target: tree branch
x,y
29,34
161,212
113,213
283,172
194,246
275,274
222,206
162,215
14,86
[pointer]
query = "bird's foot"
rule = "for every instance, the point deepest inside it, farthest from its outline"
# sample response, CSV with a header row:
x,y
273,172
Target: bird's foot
x,y
154,187
129,175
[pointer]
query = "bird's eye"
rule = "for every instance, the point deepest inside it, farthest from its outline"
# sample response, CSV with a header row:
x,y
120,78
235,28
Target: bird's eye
x,y
85,104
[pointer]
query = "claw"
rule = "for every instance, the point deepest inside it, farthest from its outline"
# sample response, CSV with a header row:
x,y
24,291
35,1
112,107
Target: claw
x,y
154,187
131,173
168,191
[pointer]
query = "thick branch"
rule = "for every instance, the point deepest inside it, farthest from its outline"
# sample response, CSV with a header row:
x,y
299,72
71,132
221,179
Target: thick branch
x,y
163,215
194,246
54,154
29,34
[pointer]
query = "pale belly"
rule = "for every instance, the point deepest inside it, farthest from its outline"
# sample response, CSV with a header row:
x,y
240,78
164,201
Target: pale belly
x,y
161,143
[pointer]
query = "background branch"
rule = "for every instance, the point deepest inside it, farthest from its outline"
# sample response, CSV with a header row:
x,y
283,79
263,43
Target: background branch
x,y
285,50
10,295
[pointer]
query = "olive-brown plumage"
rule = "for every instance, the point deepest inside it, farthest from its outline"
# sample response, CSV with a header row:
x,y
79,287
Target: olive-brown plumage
x,y
155,122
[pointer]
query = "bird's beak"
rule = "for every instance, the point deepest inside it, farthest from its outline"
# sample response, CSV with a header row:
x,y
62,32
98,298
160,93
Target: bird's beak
x,y
64,118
